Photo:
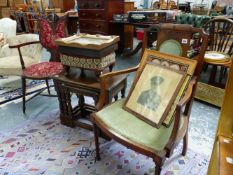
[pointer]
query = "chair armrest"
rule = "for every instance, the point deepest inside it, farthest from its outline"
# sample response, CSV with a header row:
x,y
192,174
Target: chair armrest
x,y
23,44
188,93
103,82
177,132
20,54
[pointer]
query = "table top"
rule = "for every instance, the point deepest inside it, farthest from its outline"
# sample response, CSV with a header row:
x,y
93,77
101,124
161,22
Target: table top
x,y
87,41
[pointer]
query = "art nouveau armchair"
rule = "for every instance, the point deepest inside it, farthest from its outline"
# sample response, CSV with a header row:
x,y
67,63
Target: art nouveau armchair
x,y
21,57
134,133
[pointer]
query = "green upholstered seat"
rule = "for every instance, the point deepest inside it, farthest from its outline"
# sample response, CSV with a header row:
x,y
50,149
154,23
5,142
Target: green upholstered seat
x,y
172,47
134,129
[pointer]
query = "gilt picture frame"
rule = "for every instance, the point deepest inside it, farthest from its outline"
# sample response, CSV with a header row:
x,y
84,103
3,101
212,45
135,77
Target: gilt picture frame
x,y
154,93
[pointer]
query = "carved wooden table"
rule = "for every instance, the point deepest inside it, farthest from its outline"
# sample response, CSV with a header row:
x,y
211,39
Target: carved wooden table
x,y
83,85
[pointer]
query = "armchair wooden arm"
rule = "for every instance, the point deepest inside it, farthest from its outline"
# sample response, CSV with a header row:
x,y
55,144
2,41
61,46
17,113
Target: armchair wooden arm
x,y
188,93
103,79
20,53
23,44
177,132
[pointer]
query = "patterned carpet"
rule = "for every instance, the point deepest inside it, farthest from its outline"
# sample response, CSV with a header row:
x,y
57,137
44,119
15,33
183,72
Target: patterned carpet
x,y
10,88
44,146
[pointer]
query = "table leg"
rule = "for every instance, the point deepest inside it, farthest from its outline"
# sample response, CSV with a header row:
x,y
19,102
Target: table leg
x,y
138,47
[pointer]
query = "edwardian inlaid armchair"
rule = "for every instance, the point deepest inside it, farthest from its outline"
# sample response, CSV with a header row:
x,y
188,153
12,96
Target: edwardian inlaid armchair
x,y
125,128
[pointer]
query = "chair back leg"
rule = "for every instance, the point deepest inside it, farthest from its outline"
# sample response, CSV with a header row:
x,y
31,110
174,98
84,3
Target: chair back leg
x,y
24,94
47,84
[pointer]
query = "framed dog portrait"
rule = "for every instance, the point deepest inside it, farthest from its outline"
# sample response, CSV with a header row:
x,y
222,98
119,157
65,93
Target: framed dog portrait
x,y
154,93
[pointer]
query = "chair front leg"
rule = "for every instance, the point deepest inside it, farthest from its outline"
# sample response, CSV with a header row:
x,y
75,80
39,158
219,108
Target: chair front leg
x,y
96,134
159,163
185,143
24,94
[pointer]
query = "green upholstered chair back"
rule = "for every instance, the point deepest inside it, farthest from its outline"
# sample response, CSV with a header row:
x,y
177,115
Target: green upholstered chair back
x,y
171,46
191,19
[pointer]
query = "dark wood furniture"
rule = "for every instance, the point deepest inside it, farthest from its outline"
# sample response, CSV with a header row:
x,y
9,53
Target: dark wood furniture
x,y
37,71
120,25
84,86
182,34
158,156
72,23
64,5
176,136
220,30
128,30
94,15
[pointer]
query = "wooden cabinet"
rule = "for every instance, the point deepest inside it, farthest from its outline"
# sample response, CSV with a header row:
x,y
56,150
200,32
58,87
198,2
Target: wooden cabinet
x,y
94,15
128,30
64,5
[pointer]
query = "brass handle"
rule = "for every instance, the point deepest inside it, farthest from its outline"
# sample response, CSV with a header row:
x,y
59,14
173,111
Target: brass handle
x,y
97,15
97,5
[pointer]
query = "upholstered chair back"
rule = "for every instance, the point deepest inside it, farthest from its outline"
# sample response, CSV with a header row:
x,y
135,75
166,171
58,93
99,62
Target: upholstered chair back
x,y
8,27
52,28
33,51
194,20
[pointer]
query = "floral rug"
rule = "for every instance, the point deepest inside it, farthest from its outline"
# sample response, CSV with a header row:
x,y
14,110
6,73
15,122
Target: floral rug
x,y
43,146
10,88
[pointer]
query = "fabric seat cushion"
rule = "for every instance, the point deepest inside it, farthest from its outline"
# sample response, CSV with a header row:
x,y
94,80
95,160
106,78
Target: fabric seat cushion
x,y
134,129
43,70
11,65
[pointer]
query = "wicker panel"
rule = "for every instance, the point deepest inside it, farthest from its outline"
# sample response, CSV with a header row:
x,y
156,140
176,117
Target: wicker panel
x,y
210,94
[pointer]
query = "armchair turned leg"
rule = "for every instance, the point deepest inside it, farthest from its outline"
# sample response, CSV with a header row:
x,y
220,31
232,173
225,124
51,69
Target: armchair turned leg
x,y
47,84
185,144
96,134
158,165
158,170
24,94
